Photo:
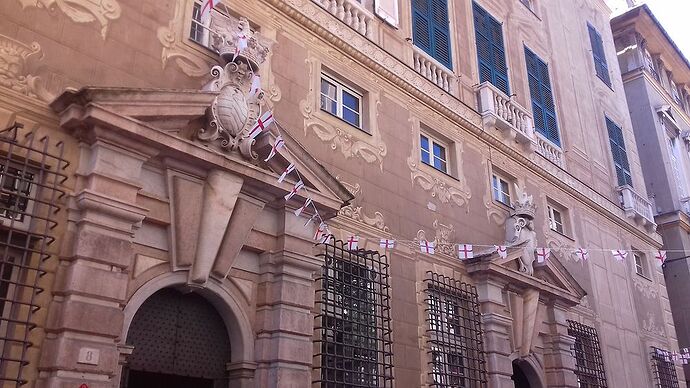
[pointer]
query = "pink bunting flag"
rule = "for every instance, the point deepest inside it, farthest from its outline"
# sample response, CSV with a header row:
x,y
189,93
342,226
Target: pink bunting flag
x,y
619,255
352,243
582,254
502,251
427,247
660,258
312,218
542,255
285,173
280,143
465,251
321,232
261,123
298,186
386,243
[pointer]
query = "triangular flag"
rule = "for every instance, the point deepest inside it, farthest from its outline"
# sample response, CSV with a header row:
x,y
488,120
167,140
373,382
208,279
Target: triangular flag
x,y
285,173
386,243
256,85
311,219
298,186
660,258
542,255
352,243
300,210
465,251
619,255
320,231
280,143
427,247
582,254
261,123
502,251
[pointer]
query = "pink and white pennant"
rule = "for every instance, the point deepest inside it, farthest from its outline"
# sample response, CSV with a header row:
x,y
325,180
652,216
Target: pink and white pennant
x,y
542,255
256,85
321,232
300,210
261,123
280,143
465,251
619,255
660,258
387,243
582,254
287,171
427,247
502,251
352,243
206,8
298,186
312,218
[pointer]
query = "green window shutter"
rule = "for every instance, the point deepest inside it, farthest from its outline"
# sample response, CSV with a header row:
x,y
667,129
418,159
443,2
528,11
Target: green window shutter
x,y
490,49
600,65
543,107
430,29
619,154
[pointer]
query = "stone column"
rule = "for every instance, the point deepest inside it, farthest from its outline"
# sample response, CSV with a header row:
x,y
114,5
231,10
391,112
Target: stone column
x,y
285,324
85,317
558,350
497,327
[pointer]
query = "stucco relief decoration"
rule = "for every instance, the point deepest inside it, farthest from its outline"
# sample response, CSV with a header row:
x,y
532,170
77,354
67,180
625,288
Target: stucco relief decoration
x,y
646,287
351,142
442,240
520,229
82,11
14,68
649,325
356,213
235,110
191,64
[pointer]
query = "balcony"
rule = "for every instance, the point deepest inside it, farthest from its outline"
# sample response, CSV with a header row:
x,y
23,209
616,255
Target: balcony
x,y
685,205
506,115
549,150
433,70
637,207
352,13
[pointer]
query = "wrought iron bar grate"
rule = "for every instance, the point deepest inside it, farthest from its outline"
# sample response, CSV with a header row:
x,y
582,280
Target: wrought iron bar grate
x,y
664,369
588,359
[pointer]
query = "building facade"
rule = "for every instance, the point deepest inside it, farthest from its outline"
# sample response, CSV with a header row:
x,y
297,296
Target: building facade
x,y
151,240
656,76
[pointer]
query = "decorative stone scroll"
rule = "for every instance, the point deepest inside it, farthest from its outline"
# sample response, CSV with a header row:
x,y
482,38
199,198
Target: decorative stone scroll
x,y
82,11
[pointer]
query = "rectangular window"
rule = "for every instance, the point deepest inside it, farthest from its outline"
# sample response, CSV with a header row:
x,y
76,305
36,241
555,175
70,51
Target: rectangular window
x,y
600,65
490,49
431,29
555,219
543,106
353,334
455,337
341,101
433,152
663,369
676,166
588,359
500,189
639,263
620,156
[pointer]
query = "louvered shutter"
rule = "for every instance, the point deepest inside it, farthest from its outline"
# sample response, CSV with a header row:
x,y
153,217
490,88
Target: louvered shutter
x,y
490,49
388,11
441,33
600,64
619,153
421,25
543,106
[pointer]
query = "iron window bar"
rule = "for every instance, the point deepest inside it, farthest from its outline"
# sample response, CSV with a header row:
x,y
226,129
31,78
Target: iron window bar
x,y
32,174
588,358
663,368
455,333
352,345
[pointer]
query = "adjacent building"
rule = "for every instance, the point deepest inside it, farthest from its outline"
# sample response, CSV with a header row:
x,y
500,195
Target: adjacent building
x,y
656,76
473,163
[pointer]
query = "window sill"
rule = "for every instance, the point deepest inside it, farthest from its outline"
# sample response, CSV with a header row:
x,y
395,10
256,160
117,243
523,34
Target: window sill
x,y
643,276
340,120
502,205
562,234
531,10
430,167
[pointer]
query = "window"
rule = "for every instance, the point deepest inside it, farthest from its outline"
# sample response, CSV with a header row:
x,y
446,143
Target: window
x,y
353,334
527,3
500,189
620,156
555,219
663,369
639,263
198,31
649,64
541,94
16,188
676,166
600,65
490,49
341,101
455,337
430,29
588,360
433,153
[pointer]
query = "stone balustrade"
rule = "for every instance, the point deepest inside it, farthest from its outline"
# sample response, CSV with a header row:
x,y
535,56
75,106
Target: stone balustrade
x,y
505,114
637,207
549,150
352,13
433,71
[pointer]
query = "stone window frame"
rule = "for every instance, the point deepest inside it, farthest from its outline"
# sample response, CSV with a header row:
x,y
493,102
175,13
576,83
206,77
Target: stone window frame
x,y
500,175
450,146
553,206
640,263
341,87
432,143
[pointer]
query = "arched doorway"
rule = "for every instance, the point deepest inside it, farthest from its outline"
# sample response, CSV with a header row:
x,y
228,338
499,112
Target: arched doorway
x,y
524,375
179,341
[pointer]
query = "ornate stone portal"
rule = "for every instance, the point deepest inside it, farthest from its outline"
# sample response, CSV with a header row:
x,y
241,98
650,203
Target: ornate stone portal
x,y
238,105
520,229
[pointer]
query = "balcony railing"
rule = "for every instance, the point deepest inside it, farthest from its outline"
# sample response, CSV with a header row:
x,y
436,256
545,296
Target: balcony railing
x,y
685,205
351,13
505,114
433,71
637,207
549,150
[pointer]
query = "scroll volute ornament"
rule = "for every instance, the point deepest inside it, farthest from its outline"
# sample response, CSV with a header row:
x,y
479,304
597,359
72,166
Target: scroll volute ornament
x,y
237,107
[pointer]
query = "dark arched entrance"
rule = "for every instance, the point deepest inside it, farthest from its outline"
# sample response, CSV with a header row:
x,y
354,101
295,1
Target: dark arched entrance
x,y
519,377
180,341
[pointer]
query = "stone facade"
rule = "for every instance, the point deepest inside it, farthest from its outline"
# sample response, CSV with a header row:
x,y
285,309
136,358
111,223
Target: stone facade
x,y
656,78
165,190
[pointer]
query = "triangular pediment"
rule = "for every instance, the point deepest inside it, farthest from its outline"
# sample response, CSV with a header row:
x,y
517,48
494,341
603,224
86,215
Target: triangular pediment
x,y
169,119
551,278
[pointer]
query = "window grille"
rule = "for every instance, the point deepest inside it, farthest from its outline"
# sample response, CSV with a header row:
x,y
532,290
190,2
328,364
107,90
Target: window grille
x,y
352,326
663,369
455,333
588,359
31,174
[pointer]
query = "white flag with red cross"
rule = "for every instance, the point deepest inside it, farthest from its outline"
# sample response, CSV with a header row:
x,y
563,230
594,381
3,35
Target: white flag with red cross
x,y
321,232
660,258
206,8
285,173
582,254
427,247
261,123
298,186
502,251
465,251
542,255
280,143
619,255
300,210
352,243
387,243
